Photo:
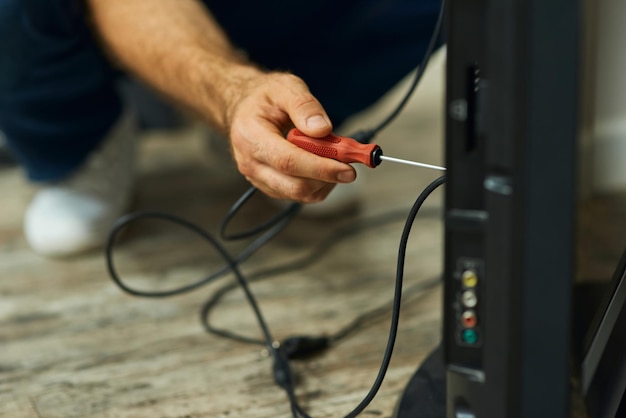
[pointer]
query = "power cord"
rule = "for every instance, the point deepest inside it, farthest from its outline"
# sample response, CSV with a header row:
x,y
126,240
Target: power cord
x,y
297,347
366,136
282,372
276,227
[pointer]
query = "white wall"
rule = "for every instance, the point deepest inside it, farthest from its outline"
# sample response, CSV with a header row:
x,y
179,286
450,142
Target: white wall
x,y
608,160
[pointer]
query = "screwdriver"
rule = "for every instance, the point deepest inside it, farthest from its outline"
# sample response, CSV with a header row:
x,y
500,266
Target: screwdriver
x,y
347,150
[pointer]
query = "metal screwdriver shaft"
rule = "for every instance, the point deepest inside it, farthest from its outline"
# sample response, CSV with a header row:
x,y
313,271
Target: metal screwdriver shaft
x,y
414,163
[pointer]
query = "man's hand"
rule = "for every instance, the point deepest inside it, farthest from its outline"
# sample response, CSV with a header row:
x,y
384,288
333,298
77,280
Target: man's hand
x,y
179,48
264,110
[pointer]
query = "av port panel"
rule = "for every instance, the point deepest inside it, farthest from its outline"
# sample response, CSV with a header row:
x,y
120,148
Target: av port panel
x,y
468,284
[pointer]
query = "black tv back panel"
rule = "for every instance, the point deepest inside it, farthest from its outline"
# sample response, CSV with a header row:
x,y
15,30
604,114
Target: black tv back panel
x,y
511,129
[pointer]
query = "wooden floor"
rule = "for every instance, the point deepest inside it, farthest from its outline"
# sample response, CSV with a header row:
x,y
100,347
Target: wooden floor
x,y
73,345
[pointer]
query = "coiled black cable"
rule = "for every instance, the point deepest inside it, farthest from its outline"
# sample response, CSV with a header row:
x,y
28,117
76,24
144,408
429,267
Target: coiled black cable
x,y
281,369
301,346
268,230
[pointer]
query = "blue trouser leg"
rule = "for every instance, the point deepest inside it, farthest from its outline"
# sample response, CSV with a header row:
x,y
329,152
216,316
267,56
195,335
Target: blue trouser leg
x,y
57,97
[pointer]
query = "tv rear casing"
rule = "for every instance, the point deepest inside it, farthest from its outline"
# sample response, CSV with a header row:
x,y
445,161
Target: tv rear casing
x,y
511,153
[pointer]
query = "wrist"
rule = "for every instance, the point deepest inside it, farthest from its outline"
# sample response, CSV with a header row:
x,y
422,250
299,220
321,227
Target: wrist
x,y
224,85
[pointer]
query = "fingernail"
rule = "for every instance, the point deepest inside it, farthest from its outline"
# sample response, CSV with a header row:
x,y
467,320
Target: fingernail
x,y
316,122
346,176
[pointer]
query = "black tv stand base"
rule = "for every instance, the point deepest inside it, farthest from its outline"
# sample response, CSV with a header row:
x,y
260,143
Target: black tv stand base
x,y
425,394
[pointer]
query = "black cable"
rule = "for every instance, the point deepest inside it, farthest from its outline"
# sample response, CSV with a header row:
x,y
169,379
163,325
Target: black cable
x,y
395,318
282,371
307,346
124,221
297,411
366,136
303,346
367,316
234,209
324,246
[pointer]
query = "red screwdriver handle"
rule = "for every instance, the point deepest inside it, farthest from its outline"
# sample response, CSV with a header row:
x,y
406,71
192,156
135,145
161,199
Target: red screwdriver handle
x,y
340,148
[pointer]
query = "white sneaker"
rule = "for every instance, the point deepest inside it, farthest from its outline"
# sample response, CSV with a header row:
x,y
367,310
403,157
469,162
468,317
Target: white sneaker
x,y
74,215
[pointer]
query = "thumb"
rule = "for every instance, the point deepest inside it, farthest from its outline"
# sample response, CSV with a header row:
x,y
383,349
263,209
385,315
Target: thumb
x,y
315,124
305,111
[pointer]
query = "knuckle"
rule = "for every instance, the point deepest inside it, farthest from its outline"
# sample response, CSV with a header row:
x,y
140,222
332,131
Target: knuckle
x,y
280,81
321,194
300,193
300,95
315,198
287,78
304,102
321,173
287,164
246,169
308,192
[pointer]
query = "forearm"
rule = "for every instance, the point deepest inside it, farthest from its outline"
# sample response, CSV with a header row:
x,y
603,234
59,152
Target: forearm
x,y
177,47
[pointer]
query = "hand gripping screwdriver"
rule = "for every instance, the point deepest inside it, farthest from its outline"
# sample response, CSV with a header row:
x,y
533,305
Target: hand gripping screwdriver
x,y
347,150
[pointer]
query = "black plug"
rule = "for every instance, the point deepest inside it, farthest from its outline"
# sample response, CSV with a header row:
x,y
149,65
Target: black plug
x,y
301,347
282,372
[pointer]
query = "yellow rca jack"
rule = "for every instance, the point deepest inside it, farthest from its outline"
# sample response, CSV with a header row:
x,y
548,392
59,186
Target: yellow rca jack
x,y
469,278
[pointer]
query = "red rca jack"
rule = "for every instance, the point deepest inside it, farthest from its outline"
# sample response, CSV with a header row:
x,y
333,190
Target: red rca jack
x,y
469,319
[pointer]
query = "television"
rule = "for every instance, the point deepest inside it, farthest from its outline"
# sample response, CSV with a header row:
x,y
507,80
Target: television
x,y
512,125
